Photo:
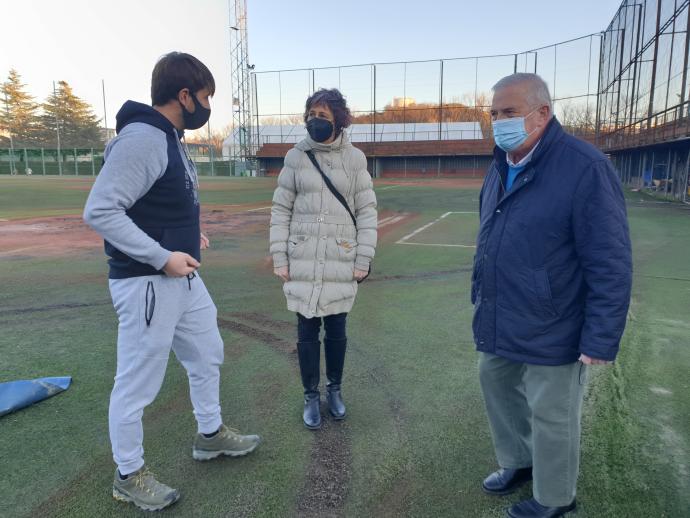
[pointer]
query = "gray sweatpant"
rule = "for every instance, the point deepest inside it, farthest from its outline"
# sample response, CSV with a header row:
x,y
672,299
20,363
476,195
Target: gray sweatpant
x,y
158,313
535,412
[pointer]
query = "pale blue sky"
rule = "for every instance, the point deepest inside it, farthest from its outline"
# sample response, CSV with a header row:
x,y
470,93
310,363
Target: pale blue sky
x,y
84,41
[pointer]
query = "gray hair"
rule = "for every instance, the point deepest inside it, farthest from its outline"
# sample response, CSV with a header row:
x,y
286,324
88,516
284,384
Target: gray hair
x,y
538,89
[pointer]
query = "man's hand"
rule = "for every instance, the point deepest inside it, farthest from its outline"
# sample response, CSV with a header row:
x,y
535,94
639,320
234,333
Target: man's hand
x,y
360,274
180,265
282,272
592,361
205,243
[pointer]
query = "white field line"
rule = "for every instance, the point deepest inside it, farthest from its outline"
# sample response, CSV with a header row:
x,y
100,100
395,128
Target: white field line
x,y
388,187
404,240
422,229
7,253
437,244
260,208
391,220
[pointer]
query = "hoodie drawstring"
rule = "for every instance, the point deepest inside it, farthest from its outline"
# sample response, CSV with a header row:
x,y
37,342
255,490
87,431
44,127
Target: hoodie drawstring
x,y
189,279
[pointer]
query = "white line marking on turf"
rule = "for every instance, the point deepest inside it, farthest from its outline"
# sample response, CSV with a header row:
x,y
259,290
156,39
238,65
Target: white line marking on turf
x,y
390,221
24,249
421,229
434,244
404,240
260,208
388,187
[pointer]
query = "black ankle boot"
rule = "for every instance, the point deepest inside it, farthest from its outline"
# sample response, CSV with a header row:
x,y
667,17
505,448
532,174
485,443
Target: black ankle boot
x,y
335,402
312,412
335,359
309,365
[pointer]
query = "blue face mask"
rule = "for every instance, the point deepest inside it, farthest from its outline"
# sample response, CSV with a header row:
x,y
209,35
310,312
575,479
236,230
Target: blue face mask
x,y
510,133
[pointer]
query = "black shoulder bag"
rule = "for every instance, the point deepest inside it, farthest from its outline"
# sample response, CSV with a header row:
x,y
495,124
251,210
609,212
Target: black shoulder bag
x,y
337,195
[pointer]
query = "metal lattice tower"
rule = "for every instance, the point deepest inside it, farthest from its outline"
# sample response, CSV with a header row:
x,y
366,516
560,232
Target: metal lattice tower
x,y
240,79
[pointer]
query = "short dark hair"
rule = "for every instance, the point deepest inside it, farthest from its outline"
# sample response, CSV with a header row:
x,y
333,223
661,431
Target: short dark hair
x,y
336,102
176,71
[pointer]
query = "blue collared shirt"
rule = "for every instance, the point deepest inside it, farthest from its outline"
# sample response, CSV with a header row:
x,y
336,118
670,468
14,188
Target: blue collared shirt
x,y
515,169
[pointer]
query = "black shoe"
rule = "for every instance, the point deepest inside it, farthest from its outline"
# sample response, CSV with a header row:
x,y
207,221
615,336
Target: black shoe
x,y
533,509
312,412
335,402
506,481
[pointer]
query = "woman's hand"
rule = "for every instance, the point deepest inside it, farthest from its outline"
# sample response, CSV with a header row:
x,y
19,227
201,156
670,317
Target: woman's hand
x,y
282,272
204,242
360,274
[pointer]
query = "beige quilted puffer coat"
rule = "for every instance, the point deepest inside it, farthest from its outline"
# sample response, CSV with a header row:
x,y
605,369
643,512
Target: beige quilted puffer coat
x,y
312,233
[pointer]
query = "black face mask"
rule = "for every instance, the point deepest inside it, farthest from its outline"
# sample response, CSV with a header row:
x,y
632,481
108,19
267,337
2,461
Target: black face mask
x,y
320,130
196,119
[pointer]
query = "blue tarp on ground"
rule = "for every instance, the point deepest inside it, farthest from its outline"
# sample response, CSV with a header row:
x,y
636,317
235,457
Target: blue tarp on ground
x,y
22,393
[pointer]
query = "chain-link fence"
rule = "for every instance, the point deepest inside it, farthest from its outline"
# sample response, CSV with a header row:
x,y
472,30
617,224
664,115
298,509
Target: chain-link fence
x,y
644,97
88,162
644,71
431,92
661,172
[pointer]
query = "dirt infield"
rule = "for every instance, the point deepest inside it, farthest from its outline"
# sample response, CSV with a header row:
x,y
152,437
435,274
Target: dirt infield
x,y
65,235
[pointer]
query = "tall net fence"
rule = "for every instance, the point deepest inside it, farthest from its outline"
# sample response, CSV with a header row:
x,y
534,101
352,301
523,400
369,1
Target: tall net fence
x,y
385,96
644,98
88,162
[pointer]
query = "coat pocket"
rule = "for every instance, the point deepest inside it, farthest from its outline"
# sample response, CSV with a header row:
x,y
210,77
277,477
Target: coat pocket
x,y
347,249
474,290
296,246
543,290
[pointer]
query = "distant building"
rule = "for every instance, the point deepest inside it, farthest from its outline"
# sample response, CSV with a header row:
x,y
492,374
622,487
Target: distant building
x,y
392,132
402,102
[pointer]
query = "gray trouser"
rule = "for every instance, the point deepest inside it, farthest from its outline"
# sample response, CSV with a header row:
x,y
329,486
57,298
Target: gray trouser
x,y
157,314
535,412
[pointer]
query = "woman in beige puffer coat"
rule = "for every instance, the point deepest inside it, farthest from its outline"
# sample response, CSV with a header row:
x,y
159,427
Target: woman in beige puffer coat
x,y
317,250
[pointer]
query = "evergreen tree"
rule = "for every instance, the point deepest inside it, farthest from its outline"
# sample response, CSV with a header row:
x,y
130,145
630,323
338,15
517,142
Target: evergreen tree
x,y
74,117
18,112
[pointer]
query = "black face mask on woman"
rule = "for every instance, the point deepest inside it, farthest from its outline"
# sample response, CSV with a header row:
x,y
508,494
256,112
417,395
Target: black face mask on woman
x,y
320,130
195,120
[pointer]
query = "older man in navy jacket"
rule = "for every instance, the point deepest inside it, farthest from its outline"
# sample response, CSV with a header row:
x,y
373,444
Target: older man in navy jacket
x,y
551,289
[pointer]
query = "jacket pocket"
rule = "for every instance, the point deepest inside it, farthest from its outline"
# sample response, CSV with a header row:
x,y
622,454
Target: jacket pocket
x,y
543,290
477,317
474,283
347,248
296,246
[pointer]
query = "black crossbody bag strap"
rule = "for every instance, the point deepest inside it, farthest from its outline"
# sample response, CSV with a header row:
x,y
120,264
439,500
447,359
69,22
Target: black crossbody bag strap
x,y
331,187
335,193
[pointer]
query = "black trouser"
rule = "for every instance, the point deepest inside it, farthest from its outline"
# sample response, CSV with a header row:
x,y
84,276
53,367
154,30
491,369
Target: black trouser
x,y
309,348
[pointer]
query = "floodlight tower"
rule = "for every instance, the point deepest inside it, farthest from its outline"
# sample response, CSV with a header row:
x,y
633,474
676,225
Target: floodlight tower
x,y
240,78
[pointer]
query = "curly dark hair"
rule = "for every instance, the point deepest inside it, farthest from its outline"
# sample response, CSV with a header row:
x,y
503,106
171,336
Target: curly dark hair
x,y
337,104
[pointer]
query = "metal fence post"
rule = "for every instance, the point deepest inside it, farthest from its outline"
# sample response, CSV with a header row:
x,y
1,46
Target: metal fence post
x,y
76,170
43,161
93,164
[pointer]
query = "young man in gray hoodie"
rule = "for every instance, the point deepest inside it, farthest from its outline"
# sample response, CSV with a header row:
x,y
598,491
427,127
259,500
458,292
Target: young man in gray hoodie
x,y
145,205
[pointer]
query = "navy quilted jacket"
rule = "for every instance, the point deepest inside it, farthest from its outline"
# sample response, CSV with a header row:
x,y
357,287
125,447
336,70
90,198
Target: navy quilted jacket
x,y
553,270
